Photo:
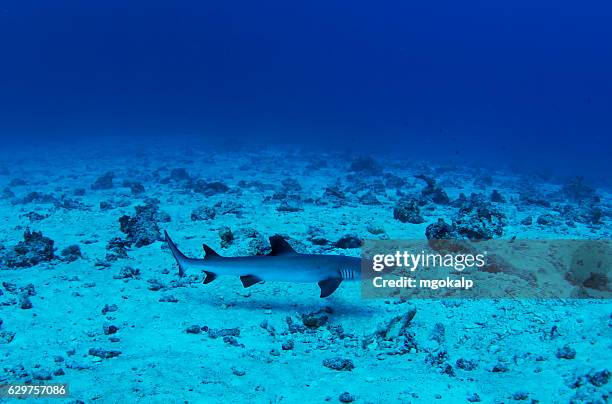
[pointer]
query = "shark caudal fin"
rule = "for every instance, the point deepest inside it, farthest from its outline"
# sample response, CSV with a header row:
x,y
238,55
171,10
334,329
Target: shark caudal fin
x,y
181,259
177,254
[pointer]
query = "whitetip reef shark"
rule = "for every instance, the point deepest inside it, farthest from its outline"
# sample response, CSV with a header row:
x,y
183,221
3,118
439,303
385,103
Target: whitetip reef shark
x,y
283,264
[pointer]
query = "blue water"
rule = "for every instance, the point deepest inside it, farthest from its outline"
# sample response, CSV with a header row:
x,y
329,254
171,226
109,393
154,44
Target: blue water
x,y
226,123
522,83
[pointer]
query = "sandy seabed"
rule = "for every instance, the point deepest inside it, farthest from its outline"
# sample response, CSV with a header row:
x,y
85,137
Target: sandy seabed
x,y
115,322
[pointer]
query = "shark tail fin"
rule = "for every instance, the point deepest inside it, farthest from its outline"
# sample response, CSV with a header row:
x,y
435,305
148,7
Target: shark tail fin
x,y
180,258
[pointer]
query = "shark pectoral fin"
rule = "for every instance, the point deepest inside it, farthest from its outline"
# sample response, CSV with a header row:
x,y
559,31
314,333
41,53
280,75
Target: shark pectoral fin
x,y
329,286
250,280
210,276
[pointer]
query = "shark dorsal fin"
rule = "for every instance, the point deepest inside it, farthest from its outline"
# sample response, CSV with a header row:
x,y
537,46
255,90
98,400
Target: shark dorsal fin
x,y
209,252
280,246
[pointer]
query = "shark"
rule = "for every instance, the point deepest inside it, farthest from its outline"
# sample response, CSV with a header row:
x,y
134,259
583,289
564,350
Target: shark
x,y
282,264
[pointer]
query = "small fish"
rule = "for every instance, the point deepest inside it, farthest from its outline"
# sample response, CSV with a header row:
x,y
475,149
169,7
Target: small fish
x,y
283,264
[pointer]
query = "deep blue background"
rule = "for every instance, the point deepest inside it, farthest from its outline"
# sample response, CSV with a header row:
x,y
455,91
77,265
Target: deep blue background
x,y
526,83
